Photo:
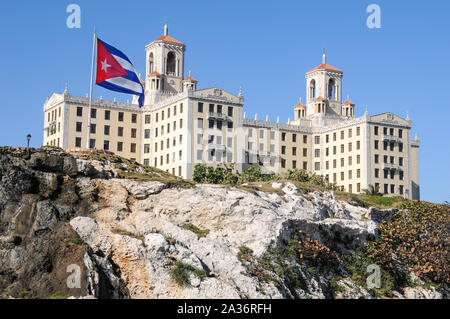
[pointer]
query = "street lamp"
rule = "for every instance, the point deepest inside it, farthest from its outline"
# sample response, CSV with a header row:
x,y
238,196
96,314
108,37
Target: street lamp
x,y
28,140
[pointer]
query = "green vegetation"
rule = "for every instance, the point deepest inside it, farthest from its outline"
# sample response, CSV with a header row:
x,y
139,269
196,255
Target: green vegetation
x,y
357,264
58,295
244,254
199,232
123,232
226,175
418,238
373,191
24,293
75,241
180,273
334,287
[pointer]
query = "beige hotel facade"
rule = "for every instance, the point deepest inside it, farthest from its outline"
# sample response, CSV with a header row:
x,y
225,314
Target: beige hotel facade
x,y
180,126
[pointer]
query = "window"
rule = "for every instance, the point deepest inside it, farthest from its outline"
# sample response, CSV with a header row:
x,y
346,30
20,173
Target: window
x,y
294,138
334,163
199,138
230,111
219,125
349,160
305,152
119,146
181,110
107,129
147,133
294,151
349,147
349,133
93,128
376,130
377,173
327,165
283,136
305,139
283,150
211,108
400,175
358,173
385,130
133,148
261,133
342,176
211,123
230,125
78,142
400,161
376,144
133,118
146,148
316,140
386,188
272,135
199,155
200,123
377,158
219,109
168,113
334,137
230,142
334,150
106,145
391,131
342,135
156,118
200,108
94,113
358,159
92,143
79,126
401,189
391,146
120,131
358,132
327,151
385,173
385,159
358,145
385,145
107,115
174,110
317,153
120,116
327,138
168,128
294,164
342,148
317,166
342,162
283,163
400,133
392,189
162,115
79,111
147,119
400,147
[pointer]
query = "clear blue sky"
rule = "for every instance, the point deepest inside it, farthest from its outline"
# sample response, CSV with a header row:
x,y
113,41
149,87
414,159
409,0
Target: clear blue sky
x,y
264,46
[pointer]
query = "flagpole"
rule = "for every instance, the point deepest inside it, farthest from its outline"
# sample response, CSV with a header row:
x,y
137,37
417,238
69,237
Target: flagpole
x,y
88,140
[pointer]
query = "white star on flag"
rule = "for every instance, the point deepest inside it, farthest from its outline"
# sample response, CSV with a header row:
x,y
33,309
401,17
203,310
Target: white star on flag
x,y
105,66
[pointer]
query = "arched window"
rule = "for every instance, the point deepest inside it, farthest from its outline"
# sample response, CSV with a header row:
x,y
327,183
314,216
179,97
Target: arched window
x,y
332,89
312,89
171,61
151,63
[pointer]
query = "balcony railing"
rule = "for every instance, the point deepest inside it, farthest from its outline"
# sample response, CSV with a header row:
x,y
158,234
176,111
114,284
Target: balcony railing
x,y
392,166
217,116
217,147
392,138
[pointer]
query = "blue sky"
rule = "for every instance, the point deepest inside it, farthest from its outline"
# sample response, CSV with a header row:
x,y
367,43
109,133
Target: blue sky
x,y
264,46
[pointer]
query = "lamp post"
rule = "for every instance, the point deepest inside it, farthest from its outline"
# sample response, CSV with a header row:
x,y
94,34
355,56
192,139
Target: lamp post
x,y
28,140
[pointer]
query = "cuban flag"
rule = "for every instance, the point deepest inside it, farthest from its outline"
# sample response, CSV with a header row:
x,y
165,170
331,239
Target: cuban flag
x,y
115,72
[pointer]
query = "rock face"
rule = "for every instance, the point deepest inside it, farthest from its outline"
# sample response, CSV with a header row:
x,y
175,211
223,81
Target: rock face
x,y
134,234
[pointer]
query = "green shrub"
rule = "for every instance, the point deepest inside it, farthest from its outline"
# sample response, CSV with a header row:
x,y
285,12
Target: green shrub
x,y
58,295
75,241
199,232
244,253
180,273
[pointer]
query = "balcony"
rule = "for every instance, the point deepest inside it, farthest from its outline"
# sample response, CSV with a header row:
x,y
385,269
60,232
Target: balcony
x,y
217,116
392,138
217,147
391,166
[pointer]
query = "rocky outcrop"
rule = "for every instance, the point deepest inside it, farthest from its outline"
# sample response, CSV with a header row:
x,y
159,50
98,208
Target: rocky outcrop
x,y
128,236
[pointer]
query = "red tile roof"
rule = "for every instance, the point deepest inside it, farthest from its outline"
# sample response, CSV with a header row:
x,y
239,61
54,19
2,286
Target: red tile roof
x,y
320,99
324,67
166,38
156,73
348,102
190,78
299,105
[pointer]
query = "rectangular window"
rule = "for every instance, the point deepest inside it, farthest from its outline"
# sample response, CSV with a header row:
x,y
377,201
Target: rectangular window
x,y
230,111
94,113
342,135
133,118
147,133
120,116
261,133
147,119
200,123
119,146
294,151
107,129
294,164
211,123
377,158
400,147
91,143
400,133
79,111
107,115
327,138
146,148
230,142
283,150
79,126
199,155
294,138
133,148
283,136
349,147
211,108
376,130
200,108
317,153
392,189
93,128
305,152
120,131
349,133
358,145
219,109
317,166
376,144
78,142
358,133
230,125
377,173
106,145
316,140
334,137
305,139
